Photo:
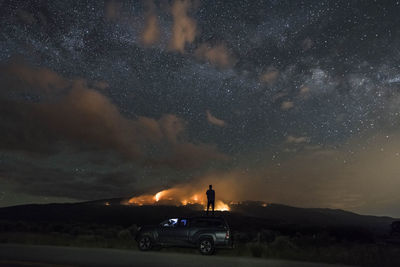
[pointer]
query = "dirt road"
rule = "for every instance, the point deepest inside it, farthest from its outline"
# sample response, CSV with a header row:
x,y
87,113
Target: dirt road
x,y
27,255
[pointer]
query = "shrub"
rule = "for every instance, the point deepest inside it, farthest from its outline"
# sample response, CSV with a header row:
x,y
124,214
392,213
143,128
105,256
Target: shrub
x,y
283,243
257,249
86,238
125,234
267,235
133,230
241,237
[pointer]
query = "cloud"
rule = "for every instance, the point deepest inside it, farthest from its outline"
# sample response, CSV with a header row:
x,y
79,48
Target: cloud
x,y
68,141
89,117
213,120
217,55
71,174
151,32
297,140
172,127
278,96
101,85
184,27
23,77
304,91
286,105
74,112
112,9
269,76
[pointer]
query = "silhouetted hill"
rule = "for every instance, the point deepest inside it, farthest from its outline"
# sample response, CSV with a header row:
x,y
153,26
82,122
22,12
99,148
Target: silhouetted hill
x,y
310,216
249,216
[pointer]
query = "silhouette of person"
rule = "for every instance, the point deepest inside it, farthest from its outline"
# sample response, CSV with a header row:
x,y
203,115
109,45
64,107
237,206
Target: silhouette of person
x,y
210,199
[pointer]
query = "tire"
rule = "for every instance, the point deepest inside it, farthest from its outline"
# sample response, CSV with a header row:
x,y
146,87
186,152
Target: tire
x,y
206,246
145,243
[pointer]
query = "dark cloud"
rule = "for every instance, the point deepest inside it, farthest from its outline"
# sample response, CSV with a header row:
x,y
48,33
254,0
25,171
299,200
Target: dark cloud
x,y
112,9
184,27
151,31
217,55
214,120
74,113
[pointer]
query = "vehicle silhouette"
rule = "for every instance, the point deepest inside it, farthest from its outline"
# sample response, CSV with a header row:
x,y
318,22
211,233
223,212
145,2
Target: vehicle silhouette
x,y
205,233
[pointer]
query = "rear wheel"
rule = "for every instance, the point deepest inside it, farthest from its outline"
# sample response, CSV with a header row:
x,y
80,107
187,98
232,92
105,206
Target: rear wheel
x,y
145,243
206,246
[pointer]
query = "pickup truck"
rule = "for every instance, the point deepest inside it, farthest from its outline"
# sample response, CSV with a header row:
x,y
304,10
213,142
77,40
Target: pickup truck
x,y
205,233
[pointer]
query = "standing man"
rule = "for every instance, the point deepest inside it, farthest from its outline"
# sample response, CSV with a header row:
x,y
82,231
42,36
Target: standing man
x,y
210,199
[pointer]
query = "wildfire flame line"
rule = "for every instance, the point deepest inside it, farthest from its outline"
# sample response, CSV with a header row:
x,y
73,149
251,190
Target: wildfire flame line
x,y
176,197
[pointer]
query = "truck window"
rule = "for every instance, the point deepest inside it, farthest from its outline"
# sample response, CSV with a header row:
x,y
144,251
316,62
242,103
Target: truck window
x,y
170,223
182,223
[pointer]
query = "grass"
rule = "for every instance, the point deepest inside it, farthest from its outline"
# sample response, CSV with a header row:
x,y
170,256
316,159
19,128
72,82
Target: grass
x,y
299,247
59,239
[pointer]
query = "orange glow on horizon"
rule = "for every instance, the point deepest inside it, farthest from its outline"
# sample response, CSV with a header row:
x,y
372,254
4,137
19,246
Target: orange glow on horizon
x,y
221,206
175,196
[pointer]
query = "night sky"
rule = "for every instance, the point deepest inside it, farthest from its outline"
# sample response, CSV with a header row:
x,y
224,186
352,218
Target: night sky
x,y
293,102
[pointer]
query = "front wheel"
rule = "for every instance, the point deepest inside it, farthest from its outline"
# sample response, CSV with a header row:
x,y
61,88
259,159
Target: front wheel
x,y
145,243
206,246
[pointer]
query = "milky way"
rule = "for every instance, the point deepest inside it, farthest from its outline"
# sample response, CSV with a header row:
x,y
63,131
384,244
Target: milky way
x,y
298,98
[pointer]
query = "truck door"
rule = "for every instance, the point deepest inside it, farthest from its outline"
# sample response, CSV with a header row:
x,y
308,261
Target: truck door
x,y
167,231
182,231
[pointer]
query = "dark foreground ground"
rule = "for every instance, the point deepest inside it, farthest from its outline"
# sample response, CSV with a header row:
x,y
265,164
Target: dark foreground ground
x,y
23,255
275,232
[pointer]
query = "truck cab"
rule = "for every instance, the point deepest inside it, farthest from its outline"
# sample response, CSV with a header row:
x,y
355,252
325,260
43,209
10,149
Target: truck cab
x,y
206,233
